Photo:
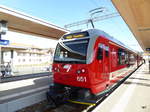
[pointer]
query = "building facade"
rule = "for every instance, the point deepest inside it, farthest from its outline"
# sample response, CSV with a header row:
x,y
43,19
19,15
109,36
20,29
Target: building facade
x,y
26,59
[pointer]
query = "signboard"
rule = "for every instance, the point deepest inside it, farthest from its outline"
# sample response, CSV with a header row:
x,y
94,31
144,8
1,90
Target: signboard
x,y
147,49
4,42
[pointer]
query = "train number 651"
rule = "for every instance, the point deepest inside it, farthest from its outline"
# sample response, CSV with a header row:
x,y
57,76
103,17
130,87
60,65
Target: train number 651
x,y
81,79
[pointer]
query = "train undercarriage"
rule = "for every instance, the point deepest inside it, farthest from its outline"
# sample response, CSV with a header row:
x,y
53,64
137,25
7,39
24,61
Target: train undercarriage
x,y
59,94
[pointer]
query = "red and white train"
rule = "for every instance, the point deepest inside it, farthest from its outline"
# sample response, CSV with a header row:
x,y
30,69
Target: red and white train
x,y
87,64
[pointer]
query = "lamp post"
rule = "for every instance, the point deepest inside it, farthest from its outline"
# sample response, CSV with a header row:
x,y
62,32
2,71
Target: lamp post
x,y
3,30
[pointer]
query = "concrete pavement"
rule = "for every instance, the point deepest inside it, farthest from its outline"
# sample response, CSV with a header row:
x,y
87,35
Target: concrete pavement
x,y
23,77
132,96
19,94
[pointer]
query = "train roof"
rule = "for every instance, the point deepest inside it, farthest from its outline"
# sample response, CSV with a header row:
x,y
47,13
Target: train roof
x,y
106,35
98,32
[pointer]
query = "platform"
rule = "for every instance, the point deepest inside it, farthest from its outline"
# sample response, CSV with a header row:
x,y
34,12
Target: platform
x,y
16,95
132,96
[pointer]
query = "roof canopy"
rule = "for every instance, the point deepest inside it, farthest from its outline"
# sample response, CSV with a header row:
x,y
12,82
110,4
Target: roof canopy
x,y
136,15
23,23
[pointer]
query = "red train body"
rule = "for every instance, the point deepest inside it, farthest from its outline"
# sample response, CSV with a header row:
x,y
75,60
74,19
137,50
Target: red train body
x,y
90,62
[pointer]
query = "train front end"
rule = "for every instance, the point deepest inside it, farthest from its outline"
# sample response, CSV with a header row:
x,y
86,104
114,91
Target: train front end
x,y
70,68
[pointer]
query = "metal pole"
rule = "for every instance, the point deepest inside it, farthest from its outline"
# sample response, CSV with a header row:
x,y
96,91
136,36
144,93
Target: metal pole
x,y
0,60
92,23
149,63
3,30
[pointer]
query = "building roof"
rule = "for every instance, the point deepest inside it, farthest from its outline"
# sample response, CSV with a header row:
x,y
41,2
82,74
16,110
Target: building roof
x,y
20,22
24,48
136,15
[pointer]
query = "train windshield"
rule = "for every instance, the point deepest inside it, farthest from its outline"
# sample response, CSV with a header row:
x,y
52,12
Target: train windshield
x,y
71,51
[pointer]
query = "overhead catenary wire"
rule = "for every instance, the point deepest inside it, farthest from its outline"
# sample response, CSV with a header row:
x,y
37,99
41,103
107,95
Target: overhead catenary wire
x,y
94,19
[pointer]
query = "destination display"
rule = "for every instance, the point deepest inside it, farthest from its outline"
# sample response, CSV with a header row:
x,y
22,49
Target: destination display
x,y
76,35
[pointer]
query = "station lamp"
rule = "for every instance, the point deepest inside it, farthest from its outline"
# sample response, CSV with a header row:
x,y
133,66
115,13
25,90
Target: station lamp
x,y
3,27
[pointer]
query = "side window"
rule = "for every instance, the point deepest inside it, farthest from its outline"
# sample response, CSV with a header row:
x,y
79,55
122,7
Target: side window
x,y
132,59
100,52
126,57
121,56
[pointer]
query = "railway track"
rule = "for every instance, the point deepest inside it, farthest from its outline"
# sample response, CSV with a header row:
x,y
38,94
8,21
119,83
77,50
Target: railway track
x,y
71,107
67,107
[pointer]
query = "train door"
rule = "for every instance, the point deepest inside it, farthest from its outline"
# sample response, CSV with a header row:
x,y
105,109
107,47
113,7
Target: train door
x,y
103,61
100,59
106,63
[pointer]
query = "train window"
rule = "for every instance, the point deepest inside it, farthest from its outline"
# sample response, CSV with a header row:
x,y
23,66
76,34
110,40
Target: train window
x,y
132,59
119,56
100,52
126,57
71,52
122,57
106,51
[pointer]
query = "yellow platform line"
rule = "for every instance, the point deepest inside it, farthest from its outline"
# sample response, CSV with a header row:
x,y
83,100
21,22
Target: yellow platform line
x,y
84,103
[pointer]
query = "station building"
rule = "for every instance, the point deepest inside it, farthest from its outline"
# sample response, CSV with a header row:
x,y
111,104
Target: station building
x,y
23,58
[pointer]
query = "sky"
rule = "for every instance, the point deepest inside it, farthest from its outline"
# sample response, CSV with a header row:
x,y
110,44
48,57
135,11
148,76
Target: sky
x,y
62,12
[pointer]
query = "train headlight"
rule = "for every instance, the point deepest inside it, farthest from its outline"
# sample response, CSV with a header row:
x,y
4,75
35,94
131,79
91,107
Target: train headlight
x,y
56,69
83,70
78,71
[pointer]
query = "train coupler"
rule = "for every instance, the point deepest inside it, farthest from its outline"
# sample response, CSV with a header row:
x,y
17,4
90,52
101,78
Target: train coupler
x,y
57,96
